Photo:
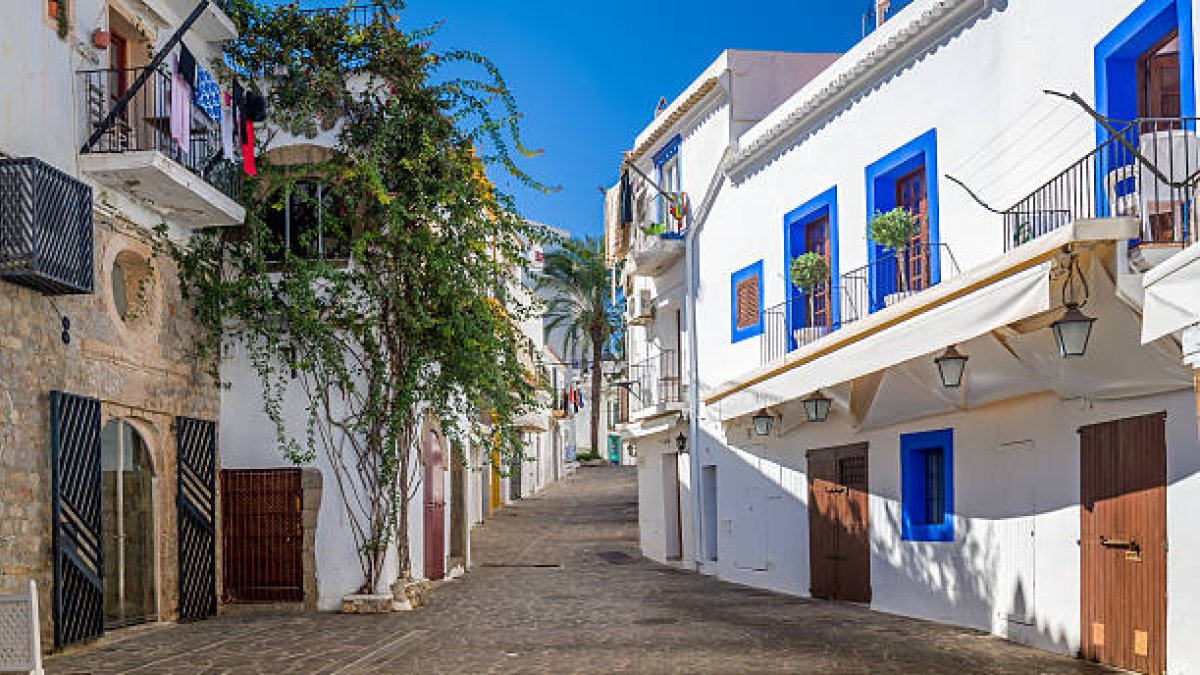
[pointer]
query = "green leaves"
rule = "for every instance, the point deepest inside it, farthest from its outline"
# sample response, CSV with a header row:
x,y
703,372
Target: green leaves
x,y
893,229
808,271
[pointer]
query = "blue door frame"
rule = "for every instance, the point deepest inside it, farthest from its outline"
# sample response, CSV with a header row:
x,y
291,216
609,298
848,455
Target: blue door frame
x,y
795,244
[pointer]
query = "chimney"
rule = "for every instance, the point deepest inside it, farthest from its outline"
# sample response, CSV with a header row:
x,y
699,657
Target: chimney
x,y
881,10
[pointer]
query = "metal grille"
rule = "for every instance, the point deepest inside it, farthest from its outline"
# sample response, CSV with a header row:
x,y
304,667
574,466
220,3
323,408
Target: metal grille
x,y
262,534
45,228
852,472
196,444
19,648
78,556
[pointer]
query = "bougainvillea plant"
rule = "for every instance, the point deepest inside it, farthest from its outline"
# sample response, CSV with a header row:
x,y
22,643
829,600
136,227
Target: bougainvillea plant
x,y
401,308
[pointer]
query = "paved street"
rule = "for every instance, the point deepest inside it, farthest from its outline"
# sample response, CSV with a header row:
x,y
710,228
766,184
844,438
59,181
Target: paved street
x,y
558,586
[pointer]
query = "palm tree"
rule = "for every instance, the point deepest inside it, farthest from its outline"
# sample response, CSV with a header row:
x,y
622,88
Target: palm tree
x,y
580,307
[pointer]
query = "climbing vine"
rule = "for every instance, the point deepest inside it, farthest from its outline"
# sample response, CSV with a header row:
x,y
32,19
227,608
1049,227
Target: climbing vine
x,y
403,305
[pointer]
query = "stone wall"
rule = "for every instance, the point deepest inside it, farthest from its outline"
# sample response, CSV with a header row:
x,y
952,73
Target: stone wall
x,y
143,368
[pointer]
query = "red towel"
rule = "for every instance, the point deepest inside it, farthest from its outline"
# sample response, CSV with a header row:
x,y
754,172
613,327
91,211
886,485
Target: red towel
x,y
248,151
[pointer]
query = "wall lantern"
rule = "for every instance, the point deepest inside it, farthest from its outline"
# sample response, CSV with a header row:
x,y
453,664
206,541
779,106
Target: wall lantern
x,y
816,408
681,442
631,449
763,421
1073,328
950,367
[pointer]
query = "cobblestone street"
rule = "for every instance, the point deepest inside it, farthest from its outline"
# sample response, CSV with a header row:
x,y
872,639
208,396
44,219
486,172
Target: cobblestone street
x,y
558,586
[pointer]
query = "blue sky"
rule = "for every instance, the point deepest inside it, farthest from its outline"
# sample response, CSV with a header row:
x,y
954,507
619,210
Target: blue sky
x,y
587,75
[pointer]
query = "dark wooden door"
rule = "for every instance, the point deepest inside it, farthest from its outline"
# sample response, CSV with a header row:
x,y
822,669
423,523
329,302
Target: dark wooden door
x,y
458,506
1159,91
1123,542
435,507
839,549
262,535
912,195
816,240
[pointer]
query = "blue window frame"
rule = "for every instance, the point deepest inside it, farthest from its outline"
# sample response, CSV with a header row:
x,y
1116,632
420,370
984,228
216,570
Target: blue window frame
x,y
1117,54
668,175
881,196
795,243
927,486
745,302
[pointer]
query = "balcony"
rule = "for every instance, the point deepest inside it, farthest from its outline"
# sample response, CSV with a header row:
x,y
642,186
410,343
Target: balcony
x,y
887,281
1149,170
138,155
655,244
655,386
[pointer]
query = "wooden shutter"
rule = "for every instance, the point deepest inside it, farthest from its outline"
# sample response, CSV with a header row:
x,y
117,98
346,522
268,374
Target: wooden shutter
x,y
747,302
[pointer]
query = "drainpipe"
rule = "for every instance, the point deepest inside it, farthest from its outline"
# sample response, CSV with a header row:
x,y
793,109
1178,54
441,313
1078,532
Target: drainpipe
x,y
689,311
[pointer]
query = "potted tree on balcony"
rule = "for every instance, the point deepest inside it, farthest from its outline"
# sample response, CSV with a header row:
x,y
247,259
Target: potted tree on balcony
x,y
894,231
809,272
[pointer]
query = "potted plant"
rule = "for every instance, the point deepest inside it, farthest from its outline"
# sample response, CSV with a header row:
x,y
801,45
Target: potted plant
x,y
894,230
809,272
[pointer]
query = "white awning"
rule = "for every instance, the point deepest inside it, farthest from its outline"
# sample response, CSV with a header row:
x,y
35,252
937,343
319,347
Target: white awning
x,y
536,421
987,298
1172,295
650,427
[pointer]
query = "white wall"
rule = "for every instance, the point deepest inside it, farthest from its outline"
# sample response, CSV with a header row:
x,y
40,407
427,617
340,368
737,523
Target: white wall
x,y
981,89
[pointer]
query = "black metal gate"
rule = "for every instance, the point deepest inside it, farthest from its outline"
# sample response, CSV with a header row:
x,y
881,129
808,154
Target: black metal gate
x,y
196,444
75,497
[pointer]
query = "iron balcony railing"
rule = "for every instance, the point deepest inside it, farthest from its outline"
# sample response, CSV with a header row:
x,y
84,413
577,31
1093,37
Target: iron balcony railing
x,y
655,381
358,15
145,124
1148,170
888,279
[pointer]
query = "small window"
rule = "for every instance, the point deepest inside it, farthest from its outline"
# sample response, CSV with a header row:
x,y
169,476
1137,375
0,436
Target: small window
x,y
304,222
746,302
927,486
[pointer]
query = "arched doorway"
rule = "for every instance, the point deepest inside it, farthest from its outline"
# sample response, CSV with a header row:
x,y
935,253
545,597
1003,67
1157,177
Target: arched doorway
x,y
127,521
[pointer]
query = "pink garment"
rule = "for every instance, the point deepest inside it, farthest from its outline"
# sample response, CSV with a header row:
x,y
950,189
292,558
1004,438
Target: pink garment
x,y
181,108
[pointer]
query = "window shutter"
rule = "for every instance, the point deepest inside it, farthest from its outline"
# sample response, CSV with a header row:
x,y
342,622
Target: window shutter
x,y
747,302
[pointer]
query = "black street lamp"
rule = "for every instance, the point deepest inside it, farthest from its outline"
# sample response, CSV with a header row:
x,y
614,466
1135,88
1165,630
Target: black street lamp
x,y
816,408
1072,331
950,367
763,421
681,443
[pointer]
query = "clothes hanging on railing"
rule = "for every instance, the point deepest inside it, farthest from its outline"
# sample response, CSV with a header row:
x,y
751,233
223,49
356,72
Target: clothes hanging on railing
x,y
208,94
228,129
248,150
181,107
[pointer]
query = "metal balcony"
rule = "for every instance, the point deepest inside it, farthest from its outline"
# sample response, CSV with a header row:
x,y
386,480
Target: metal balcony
x,y
655,385
138,156
1149,170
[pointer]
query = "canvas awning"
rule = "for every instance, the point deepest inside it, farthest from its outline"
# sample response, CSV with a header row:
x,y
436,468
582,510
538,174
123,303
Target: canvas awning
x,y
1172,295
650,427
986,299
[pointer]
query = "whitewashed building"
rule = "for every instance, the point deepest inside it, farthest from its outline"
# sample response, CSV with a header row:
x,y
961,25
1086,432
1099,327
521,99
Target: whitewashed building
x,y
1042,498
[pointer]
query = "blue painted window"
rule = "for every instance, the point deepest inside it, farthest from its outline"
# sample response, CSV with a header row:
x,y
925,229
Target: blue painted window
x,y
927,486
666,165
1116,58
915,161
802,231
745,302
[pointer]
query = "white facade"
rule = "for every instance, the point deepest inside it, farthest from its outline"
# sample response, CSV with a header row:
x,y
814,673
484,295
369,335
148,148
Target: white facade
x,y
943,88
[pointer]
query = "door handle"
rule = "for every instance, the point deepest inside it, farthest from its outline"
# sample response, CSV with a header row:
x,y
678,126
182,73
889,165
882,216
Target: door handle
x,y
835,490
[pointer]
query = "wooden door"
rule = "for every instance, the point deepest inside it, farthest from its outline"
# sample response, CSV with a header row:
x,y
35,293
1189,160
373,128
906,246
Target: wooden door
x,y
912,195
435,507
1123,542
1159,91
816,240
262,535
839,549
458,506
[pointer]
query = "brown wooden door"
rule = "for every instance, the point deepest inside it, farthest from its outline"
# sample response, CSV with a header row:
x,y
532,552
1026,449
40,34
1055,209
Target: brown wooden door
x,y
839,549
1123,542
435,507
912,195
263,535
1160,94
816,240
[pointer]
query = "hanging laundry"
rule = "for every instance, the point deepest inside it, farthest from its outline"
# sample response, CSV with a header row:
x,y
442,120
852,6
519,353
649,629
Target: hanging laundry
x,y
239,99
187,65
248,150
208,94
181,109
228,130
